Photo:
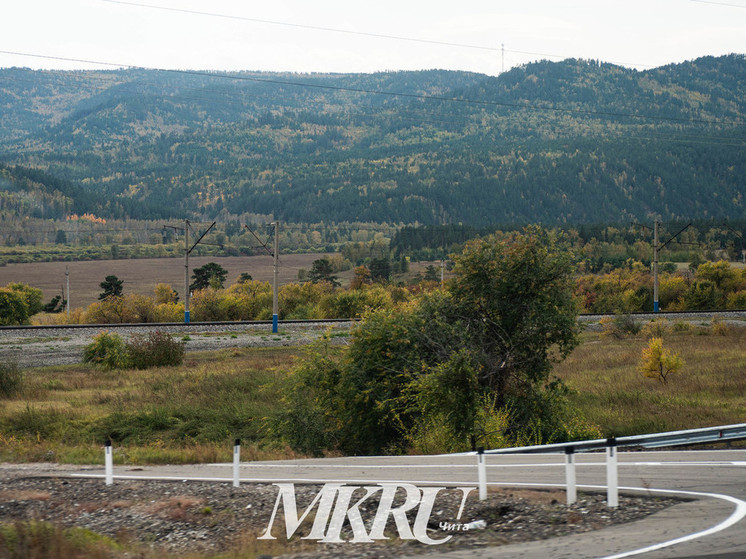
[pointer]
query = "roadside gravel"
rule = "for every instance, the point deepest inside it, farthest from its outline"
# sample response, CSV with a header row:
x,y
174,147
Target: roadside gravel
x,y
207,518
64,346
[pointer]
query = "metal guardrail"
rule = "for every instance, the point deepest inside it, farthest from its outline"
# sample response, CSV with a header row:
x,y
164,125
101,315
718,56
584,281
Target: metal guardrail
x,y
612,445
655,440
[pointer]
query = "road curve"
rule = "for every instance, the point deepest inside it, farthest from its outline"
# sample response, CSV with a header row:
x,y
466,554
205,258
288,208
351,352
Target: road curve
x,y
710,525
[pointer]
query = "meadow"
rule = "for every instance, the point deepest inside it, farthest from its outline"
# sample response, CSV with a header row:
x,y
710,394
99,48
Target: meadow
x,y
193,412
610,392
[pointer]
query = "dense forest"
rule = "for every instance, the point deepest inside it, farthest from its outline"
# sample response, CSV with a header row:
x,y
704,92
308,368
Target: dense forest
x,y
553,142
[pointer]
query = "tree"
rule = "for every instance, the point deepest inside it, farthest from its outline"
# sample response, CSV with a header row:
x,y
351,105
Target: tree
x,y
32,297
209,275
55,305
13,309
61,237
431,273
112,287
321,270
380,269
659,362
361,277
456,358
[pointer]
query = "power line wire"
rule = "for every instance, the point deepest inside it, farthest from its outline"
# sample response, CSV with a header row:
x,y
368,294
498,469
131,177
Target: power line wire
x,y
349,31
707,2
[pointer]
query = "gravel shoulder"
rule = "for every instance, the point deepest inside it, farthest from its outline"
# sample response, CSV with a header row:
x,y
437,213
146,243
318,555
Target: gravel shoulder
x,y
209,517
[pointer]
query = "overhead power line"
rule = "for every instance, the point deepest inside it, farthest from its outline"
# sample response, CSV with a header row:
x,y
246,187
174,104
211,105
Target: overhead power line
x,y
421,96
349,31
714,3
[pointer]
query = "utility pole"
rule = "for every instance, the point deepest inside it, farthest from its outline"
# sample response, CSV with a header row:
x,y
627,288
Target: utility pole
x,y
187,251
276,272
657,247
655,266
503,59
67,299
186,271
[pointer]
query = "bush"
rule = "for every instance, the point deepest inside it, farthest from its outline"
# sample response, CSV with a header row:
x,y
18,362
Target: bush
x,y
107,351
157,349
656,328
620,326
11,378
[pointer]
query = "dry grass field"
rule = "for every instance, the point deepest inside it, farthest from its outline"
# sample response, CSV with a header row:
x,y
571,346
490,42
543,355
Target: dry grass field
x,y
709,390
141,276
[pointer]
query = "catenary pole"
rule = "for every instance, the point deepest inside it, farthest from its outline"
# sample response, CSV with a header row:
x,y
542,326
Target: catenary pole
x,y
275,317
656,306
186,271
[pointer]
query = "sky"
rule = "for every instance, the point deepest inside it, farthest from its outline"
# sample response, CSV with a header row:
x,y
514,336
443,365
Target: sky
x,y
485,36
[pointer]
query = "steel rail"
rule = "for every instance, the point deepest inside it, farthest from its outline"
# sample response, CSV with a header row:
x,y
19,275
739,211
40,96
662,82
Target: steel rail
x,y
196,324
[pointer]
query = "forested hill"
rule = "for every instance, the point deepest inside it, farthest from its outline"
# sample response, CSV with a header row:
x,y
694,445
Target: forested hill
x,y
571,141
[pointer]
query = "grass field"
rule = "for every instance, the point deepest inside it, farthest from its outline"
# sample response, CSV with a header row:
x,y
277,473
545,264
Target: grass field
x,y
710,389
193,412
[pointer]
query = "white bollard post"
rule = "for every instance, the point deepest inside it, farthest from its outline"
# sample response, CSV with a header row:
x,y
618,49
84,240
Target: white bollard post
x,y
482,474
612,473
236,461
109,463
572,489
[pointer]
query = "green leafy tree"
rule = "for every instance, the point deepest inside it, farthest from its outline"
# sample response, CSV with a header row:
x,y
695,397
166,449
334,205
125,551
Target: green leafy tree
x,y
55,305
380,269
32,297
485,345
209,275
322,270
13,308
112,287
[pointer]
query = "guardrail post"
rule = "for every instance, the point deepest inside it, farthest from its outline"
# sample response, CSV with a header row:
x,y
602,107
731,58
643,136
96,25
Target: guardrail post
x,y
482,474
612,473
109,463
572,490
236,461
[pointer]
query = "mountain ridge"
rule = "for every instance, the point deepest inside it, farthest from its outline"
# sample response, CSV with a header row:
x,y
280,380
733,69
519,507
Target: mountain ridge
x,y
552,142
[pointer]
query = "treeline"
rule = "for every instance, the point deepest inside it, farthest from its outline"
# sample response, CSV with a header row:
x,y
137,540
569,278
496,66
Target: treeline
x,y
599,247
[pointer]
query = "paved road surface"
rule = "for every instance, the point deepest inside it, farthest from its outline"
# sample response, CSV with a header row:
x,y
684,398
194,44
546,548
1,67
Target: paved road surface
x,y
712,525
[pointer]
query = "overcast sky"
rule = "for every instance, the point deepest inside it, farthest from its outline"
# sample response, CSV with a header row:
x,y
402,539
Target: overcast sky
x,y
632,33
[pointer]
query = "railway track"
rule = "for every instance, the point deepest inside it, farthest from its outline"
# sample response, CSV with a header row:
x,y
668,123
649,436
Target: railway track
x,y
177,327
38,346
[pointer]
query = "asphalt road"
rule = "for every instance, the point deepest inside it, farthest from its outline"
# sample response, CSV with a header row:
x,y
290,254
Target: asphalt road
x,y
710,525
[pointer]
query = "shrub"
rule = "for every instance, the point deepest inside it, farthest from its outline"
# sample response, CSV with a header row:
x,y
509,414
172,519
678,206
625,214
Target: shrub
x,y
655,328
157,349
107,351
620,326
11,378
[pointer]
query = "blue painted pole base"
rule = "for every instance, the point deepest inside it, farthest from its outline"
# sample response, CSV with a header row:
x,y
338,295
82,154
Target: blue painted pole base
x,y
655,306
186,317
274,323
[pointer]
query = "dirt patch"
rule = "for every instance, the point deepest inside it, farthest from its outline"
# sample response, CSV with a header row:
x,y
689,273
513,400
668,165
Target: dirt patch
x,y
142,275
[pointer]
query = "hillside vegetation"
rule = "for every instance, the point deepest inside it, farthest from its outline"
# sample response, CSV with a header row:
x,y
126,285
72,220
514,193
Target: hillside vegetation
x,y
572,141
